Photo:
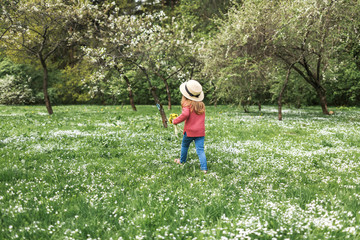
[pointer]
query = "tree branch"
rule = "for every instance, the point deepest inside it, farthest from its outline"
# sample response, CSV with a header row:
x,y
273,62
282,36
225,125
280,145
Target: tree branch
x,y
42,45
289,63
170,75
3,34
53,50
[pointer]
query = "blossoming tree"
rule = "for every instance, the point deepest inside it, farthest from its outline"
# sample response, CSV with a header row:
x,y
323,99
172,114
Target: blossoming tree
x,y
35,30
146,43
298,35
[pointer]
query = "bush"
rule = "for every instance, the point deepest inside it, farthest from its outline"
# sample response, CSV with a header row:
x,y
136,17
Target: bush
x,y
70,86
344,85
15,90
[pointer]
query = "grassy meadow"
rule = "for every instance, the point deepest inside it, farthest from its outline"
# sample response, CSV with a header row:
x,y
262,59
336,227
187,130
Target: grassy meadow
x,y
106,172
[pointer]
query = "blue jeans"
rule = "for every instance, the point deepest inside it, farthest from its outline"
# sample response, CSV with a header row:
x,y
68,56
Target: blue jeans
x,y
199,145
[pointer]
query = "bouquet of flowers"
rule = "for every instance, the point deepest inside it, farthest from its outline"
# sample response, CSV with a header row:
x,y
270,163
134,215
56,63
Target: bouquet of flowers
x,y
171,118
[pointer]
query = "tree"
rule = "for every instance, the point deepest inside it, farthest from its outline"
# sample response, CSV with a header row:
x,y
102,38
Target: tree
x,y
238,70
110,32
297,34
135,54
303,43
344,67
168,53
239,80
35,30
119,46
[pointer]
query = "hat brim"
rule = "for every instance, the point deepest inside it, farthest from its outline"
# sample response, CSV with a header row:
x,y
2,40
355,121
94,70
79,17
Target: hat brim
x,y
186,94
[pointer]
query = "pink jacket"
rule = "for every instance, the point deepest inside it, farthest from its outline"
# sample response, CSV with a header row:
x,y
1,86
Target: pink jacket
x,y
194,123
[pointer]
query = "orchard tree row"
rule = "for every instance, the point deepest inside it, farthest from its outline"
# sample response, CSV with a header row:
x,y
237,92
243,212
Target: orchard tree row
x,y
299,52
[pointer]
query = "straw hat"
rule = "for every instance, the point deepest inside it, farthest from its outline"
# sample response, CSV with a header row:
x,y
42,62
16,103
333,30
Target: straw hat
x,y
192,90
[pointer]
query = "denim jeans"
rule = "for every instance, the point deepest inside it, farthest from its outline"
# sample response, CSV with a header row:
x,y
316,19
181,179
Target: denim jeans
x,y
199,145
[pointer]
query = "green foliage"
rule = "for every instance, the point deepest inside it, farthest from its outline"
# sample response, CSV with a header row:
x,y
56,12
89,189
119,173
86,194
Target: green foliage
x,y
300,94
21,83
344,84
25,71
196,16
134,7
71,87
297,93
234,48
302,34
36,30
14,90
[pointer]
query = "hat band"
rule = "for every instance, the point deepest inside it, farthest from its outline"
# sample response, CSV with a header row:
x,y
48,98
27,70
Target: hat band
x,y
191,95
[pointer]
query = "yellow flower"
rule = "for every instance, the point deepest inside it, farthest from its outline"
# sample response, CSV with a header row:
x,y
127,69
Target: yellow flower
x,y
172,117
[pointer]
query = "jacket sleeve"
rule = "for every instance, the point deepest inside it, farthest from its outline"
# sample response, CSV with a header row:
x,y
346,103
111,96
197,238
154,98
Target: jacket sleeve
x,y
183,116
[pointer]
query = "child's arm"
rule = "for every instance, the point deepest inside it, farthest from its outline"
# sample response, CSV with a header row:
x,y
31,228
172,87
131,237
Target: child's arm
x,y
183,116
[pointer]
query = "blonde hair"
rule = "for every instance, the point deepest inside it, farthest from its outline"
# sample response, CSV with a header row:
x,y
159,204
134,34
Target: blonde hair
x,y
197,107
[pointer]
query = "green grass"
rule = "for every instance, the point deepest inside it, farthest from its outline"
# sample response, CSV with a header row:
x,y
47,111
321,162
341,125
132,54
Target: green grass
x,y
106,172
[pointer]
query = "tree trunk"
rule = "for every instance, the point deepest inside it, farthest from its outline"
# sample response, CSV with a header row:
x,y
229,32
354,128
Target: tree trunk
x,y
168,93
259,104
282,93
102,97
313,79
131,96
167,87
72,56
279,109
214,98
45,86
156,98
245,106
322,97
159,105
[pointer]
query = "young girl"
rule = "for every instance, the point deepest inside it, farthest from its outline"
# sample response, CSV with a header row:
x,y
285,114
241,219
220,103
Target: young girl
x,y
193,113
